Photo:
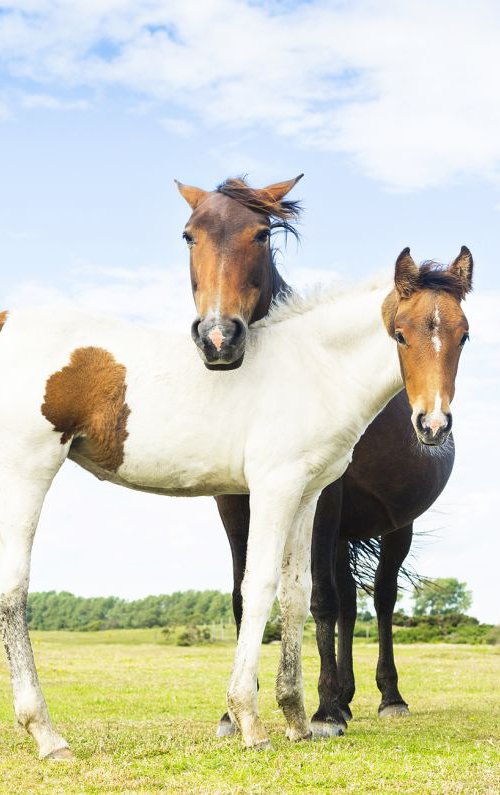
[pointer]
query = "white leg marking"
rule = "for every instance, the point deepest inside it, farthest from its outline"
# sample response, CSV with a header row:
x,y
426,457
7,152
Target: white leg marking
x,y
295,598
21,500
272,512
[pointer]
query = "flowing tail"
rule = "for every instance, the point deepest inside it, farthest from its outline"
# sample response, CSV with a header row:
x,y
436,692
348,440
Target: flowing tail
x,y
364,556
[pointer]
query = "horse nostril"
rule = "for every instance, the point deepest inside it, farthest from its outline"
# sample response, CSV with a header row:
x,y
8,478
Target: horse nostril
x,y
239,330
195,329
449,422
419,422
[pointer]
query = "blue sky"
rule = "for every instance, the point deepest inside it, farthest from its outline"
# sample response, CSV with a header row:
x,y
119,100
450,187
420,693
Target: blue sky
x,y
391,109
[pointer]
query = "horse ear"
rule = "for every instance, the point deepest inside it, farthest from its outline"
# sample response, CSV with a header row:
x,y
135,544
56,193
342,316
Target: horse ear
x,y
278,190
194,196
405,274
462,267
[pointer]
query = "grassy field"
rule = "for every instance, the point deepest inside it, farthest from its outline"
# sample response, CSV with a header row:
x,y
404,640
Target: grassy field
x,y
140,716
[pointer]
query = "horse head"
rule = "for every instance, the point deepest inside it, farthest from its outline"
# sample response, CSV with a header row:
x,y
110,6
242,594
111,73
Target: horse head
x,y
232,278
424,315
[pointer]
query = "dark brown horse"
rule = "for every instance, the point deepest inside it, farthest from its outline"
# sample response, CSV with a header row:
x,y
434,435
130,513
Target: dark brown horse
x,y
391,481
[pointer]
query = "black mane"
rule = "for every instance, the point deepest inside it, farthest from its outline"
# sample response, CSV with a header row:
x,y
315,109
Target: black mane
x,y
280,213
435,276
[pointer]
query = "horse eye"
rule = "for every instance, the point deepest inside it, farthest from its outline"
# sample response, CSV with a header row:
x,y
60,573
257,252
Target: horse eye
x,y
187,237
262,236
464,339
400,338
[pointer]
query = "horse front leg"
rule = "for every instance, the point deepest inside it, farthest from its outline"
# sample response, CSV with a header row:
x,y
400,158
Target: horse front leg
x,y
272,510
295,597
328,720
20,505
234,510
394,549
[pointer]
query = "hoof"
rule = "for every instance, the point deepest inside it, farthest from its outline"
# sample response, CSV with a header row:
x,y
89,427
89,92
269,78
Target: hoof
x,y
264,745
322,729
226,728
60,755
394,711
294,735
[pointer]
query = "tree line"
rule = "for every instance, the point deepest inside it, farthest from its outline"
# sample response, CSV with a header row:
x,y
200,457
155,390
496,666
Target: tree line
x,y
438,614
63,610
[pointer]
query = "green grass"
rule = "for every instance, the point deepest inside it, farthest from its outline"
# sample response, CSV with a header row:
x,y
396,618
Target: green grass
x,y
140,716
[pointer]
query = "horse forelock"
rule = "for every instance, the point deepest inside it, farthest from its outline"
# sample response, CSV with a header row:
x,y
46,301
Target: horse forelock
x,y
434,275
285,211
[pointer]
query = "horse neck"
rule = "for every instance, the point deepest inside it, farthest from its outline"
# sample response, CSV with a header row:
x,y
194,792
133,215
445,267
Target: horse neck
x,y
274,288
280,288
360,359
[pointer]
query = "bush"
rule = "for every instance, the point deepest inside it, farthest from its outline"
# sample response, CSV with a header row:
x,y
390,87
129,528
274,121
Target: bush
x,y
450,628
93,626
493,636
366,629
272,631
193,636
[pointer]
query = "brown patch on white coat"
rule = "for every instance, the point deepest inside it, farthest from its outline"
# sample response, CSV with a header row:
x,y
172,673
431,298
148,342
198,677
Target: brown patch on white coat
x,y
85,402
424,316
3,319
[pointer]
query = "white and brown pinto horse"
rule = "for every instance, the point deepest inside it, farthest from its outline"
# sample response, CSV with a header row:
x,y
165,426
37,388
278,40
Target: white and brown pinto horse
x,y
133,406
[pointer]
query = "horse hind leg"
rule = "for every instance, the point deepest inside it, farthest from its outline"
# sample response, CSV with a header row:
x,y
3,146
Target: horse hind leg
x,y
20,504
328,720
346,589
394,549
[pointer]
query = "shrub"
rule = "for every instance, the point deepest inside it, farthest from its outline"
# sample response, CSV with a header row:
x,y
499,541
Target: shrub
x,y
272,631
193,636
493,635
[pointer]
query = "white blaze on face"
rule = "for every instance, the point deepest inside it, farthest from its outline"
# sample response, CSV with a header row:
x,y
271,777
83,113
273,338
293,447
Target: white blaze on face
x,y
435,339
436,419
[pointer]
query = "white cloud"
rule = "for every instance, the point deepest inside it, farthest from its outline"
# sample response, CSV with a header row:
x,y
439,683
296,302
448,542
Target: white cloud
x,y
48,102
152,296
161,544
179,127
409,90
5,112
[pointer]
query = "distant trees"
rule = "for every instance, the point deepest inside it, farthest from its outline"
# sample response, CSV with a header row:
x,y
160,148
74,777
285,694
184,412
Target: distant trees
x,y
63,610
187,617
438,616
441,597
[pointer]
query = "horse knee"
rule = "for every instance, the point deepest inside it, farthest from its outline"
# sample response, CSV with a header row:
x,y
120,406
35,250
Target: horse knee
x,y
257,593
324,605
13,601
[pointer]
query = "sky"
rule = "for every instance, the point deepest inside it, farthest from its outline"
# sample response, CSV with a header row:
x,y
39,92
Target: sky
x,y
392,111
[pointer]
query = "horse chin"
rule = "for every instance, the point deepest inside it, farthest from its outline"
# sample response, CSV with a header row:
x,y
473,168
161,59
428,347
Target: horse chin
x,y
428,441
225,365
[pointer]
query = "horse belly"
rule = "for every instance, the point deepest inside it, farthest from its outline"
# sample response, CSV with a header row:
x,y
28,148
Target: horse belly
x,y
181,462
